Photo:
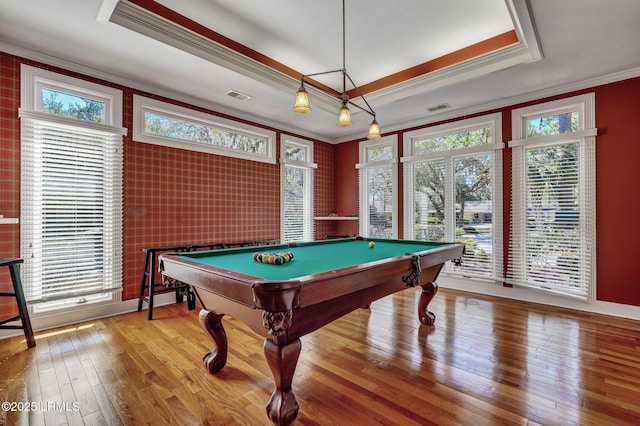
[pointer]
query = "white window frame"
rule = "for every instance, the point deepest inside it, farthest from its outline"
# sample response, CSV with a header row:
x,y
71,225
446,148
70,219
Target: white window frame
x,y
33,81
585,136
308,167
363,166
409,159
143,104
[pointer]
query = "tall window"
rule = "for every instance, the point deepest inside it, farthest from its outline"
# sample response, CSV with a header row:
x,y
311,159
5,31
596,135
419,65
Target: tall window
x,y
378,180
71,219
553,197
297,189
453,187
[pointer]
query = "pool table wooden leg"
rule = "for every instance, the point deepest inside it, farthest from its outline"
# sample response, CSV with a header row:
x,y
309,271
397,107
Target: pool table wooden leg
x,y
217,358
282,407
429,291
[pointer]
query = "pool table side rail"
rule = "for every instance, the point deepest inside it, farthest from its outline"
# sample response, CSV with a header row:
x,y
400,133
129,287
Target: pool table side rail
x,y
232,285
278,296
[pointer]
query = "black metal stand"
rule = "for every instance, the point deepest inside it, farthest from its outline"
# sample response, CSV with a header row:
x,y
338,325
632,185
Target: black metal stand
x,y
18,293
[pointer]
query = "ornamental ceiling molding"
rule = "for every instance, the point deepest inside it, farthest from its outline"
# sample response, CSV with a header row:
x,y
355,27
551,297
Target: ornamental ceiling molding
x,y
525,48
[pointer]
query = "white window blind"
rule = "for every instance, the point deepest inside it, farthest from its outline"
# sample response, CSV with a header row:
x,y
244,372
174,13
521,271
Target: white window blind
x,y
552,233
553,216
71,234
378,187
297,189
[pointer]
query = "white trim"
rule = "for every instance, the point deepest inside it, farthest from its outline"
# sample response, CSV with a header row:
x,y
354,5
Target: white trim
x,y
143,104
453,127
146,22
363,166
31,99
585,136
66,121
448,157
495,289
583,104
308,166
89,313
489,288
420,122
554,139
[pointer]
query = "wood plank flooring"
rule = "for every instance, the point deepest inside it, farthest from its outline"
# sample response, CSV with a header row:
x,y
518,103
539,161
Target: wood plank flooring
x,y
487,361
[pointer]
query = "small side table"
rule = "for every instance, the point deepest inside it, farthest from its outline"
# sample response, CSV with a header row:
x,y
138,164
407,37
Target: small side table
x,y
18,293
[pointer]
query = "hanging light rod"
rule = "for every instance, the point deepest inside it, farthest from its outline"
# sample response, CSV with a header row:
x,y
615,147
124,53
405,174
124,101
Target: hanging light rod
x,y
303,106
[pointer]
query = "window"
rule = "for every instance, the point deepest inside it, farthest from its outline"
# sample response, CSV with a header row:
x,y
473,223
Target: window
x,y
71,219
453,187
378,176
553,197
166,124
297,189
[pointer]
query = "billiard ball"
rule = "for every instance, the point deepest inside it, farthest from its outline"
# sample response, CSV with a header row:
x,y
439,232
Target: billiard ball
x,y
372,244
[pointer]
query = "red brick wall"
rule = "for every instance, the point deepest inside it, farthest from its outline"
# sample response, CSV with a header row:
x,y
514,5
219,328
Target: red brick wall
x,y
171,196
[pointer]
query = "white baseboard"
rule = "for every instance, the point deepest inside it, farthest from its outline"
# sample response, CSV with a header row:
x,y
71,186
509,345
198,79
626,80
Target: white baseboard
x,y
528,295
60,319
48,321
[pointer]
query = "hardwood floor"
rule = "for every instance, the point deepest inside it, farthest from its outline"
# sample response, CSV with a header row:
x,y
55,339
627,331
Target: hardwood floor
x,y
487,361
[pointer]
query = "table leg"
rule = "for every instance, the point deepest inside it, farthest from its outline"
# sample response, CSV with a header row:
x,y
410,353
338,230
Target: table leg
x,y
282,407
217,358
429,291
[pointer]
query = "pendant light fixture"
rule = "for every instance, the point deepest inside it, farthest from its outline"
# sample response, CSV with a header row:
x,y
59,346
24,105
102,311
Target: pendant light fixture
x,y
303,106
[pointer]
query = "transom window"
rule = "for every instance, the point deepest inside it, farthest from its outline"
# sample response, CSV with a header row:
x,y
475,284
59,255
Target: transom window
x,y
166,124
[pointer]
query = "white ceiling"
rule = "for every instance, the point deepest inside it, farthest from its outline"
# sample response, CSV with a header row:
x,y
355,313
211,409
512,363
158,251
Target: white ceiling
x,y
563,44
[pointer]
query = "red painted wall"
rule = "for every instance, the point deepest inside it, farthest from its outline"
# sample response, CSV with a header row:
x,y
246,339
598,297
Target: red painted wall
x,y
617,183
171,196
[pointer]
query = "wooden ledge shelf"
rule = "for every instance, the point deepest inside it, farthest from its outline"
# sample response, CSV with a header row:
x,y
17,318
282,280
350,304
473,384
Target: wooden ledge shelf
x,y
336,218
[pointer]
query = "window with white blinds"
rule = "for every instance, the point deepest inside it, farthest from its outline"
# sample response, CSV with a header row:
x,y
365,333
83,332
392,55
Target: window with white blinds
x,y
453,186
553,197
297,189
378,187
71,218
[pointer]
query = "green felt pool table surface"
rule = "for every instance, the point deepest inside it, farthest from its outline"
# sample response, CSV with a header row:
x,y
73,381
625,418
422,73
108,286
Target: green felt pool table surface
x,y
310,257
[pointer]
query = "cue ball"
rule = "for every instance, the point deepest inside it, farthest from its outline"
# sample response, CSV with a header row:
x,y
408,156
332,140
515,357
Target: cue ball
x,y
372,244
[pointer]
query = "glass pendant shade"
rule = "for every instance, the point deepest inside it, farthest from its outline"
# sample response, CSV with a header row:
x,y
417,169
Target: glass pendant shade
x,y
302,101
302,105
344,119
374,130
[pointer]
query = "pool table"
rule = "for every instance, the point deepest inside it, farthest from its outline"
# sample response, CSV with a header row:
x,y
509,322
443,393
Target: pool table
x,y
324,281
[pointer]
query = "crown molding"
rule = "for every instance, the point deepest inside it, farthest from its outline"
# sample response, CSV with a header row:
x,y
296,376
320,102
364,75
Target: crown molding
x,y
519,99
146,87
142,21
482,65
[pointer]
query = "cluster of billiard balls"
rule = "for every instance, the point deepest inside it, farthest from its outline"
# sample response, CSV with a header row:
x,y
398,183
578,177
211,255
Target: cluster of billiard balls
x,y
273,258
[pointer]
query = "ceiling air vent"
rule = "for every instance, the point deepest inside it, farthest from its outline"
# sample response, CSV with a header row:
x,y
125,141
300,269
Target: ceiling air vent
x,y
238,95
438,107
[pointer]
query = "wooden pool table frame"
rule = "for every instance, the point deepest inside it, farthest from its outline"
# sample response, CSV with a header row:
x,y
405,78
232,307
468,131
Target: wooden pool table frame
x,y
283,311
